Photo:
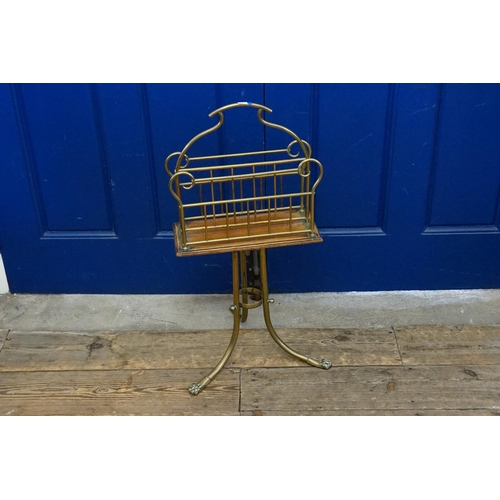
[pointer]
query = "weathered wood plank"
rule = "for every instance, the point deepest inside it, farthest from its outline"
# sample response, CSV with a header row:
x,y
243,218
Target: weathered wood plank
x,y
372,413
437,388
36,351
450,345
3,337
117,392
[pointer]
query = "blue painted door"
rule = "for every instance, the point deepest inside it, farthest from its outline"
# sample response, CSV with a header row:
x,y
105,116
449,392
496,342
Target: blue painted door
x,y
409,199
84,199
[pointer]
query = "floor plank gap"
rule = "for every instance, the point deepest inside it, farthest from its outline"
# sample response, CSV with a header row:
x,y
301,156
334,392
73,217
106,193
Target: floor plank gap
x,y
3,337
397,345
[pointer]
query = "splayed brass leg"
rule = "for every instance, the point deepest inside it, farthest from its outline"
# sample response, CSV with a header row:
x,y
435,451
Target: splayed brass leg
x,y
240,312
235,309
319,363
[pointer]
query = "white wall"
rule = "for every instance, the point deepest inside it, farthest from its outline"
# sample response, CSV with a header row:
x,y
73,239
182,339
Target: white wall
x,y
4,286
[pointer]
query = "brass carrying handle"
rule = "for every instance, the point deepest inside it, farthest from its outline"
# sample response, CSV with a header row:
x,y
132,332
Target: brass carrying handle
x,y
239,105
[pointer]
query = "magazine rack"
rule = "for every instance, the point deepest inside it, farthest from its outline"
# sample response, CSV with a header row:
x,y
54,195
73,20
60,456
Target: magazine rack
x,y
244,203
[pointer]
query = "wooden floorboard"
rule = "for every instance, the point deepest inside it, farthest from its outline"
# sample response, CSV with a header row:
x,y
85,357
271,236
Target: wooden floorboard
x,y
374,413
34,351
368,388
448,371
117,392
449,345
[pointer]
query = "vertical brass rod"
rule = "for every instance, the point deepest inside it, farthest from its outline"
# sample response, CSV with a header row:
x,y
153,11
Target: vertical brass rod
x,y
227,220
281,189
254,195
235,309
201,199
301,190
182,220
182,223
241,196
308,198
275,190
311,216
206,222
221,191
291,213
234,194
323,363
261,192
269,216
248,218
213,194
244,284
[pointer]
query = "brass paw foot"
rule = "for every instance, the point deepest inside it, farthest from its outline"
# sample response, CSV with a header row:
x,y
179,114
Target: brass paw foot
x,y
194,389
197,388
320,363
326,364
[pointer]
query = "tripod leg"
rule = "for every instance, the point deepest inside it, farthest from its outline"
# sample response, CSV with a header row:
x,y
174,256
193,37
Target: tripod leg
x,y
244,284
235,309
319,363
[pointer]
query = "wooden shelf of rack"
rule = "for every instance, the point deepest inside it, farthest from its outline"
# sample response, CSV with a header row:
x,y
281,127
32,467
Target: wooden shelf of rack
x,y
245,232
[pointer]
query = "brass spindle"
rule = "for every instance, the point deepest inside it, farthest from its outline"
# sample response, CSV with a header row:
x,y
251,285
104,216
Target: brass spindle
x,y
248,218
308,188
234,194
261,193
275,190
254,195
241,196
206,222
301,190
201,199
213,194
269,216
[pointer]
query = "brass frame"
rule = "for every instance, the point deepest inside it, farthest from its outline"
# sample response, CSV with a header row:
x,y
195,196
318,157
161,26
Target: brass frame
x,y
280,211
235,222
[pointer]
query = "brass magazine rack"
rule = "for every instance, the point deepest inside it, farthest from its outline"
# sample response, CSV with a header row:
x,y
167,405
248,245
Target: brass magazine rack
x,y
244,203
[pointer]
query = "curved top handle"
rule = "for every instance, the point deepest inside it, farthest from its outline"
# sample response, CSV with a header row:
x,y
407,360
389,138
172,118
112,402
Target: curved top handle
x,y
260,109
239,105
